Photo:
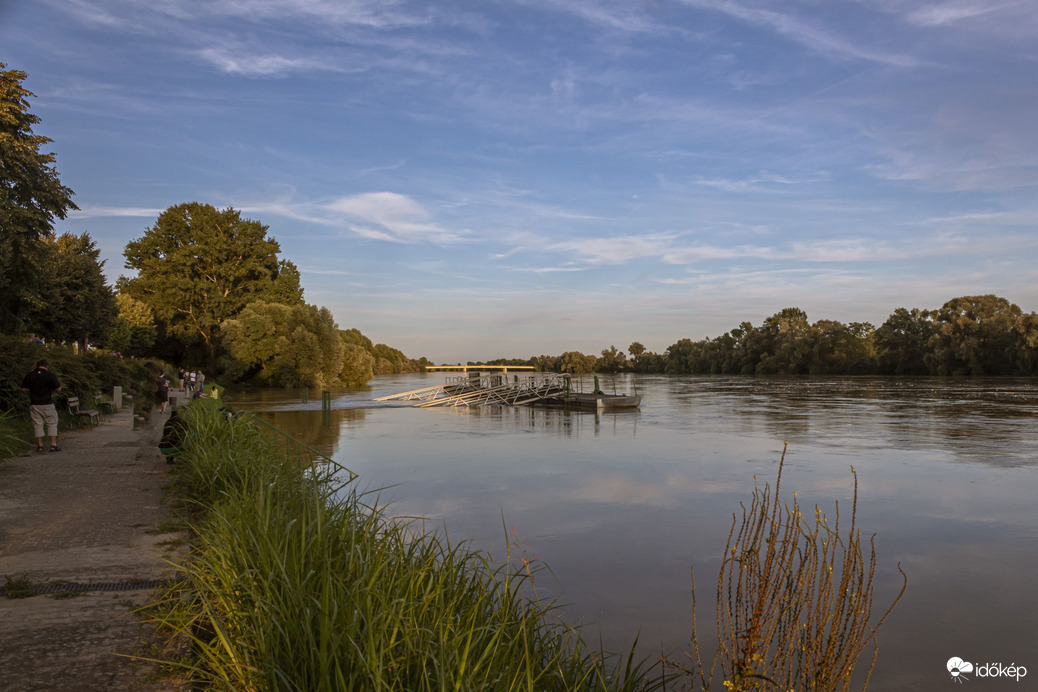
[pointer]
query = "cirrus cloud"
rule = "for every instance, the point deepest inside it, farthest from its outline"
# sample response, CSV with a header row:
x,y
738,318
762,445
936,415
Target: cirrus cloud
x,y
392,217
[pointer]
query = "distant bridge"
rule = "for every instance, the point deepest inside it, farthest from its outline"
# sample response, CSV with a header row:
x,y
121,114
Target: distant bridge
x,y
479,368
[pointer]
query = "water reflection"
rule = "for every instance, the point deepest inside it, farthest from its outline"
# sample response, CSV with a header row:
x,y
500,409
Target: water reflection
x,y
622,504
319,429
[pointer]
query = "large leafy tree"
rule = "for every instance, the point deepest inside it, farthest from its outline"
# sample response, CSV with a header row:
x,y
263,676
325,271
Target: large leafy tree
x,y
358,366
31,196
903,342
977,335
787,337
358,363
199,266
286,345
134,331
76,302
389,360
612,360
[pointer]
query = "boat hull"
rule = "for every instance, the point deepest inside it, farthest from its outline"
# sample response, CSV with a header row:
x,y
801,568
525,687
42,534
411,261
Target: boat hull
x,y
593,402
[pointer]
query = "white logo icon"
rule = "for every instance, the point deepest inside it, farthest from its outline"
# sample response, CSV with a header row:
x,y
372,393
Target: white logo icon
x,y
958,668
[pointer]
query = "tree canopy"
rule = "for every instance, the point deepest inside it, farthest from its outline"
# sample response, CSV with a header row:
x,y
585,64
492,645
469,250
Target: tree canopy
x,y
31,197
76,303
285,345
969,335
134,331
199,266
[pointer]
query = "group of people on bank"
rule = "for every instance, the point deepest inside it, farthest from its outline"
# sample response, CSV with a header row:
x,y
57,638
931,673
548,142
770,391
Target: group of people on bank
x,y
191,383
41,385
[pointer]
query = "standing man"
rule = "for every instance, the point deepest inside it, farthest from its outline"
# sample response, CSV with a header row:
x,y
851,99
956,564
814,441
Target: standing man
x,y
41,384
162,391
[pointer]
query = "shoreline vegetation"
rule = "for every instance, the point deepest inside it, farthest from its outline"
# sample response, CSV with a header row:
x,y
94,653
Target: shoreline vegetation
x,y
296,581
982,335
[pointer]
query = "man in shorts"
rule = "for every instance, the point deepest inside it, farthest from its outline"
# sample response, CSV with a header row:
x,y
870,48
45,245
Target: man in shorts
x,y
41,384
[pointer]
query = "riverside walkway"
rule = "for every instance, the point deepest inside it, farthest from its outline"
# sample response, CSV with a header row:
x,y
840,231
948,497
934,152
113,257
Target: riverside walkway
x,y
87,515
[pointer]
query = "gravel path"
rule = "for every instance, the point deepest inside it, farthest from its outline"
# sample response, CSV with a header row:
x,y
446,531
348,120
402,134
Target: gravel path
x,y
88,515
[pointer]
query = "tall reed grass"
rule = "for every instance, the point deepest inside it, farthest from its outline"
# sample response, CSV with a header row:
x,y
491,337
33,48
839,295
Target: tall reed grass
x,y
298,583
794,600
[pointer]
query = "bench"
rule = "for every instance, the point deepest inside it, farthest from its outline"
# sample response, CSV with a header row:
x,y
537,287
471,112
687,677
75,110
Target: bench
x,y
105,405
78,414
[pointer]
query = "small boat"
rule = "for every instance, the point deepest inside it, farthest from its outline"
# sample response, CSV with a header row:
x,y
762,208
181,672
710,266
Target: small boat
x,y
593,402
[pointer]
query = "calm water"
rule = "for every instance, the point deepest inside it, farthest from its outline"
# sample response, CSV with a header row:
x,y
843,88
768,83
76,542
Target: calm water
x,y
620,506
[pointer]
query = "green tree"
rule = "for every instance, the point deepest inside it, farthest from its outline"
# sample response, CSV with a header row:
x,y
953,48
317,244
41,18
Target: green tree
x,y
903,342
576,363
612,360
389,360
789,345
679,357
76,304
134,330
976,335
353,336
285,345
1027,356
840,349
358,366
199,266
286,288
31,197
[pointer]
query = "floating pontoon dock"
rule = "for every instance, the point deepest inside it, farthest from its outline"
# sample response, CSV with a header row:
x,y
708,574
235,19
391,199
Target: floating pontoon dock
x,y
490,389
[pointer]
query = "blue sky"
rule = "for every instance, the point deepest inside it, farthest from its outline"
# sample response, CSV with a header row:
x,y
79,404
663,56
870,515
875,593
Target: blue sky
x,y
505,178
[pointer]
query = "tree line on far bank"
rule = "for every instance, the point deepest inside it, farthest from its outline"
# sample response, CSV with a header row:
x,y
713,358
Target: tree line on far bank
x,y
969,335
210,290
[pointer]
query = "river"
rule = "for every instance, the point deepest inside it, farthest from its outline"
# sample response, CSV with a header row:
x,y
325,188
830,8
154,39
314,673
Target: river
x,y
621,505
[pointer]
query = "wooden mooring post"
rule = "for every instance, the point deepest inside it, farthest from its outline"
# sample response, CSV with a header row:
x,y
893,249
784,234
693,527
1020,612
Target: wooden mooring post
x,y
326,401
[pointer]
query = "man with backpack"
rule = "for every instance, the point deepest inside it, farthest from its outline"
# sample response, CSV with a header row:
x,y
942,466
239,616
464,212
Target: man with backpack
x,y
41,384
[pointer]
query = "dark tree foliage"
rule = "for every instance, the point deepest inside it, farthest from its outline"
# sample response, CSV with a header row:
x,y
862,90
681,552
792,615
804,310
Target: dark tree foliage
x,y
903,342
354,337
389,360
971,335
31,197
76,302
977,335
199,266
134,331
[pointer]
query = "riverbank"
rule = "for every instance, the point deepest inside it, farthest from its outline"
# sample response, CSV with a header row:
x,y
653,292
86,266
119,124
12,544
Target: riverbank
x,y
299,582
91,514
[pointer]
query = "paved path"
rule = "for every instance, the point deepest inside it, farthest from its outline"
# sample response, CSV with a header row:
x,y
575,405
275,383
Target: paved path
x,y
87,514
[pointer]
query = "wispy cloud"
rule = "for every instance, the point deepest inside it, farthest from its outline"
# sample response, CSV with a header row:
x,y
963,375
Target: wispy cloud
x,y
762,181
243,62
113,16
376,14
90,212
391,217
815,37
621,16
549,270
617,250
851,250
939,14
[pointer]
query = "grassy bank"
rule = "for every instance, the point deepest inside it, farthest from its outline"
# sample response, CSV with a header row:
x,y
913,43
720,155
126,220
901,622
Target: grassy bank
x,y
296,583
